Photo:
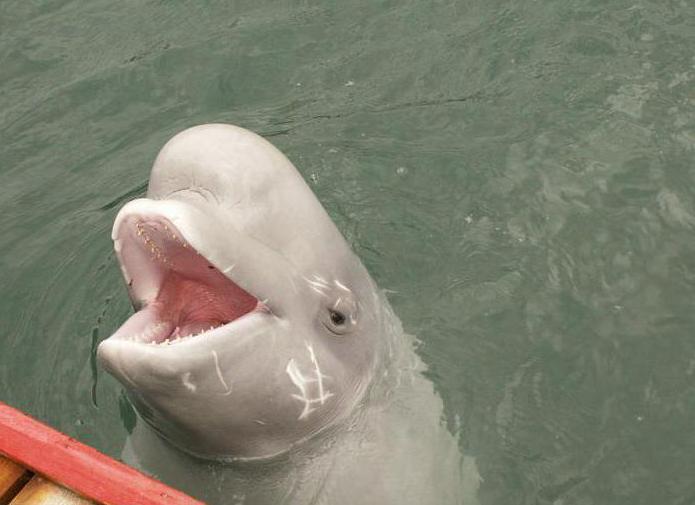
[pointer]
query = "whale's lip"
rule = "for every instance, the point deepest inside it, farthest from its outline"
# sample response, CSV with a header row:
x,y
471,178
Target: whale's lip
x,y
181,296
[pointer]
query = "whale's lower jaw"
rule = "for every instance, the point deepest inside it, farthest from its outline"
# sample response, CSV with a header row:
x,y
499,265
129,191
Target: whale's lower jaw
x,y
181,293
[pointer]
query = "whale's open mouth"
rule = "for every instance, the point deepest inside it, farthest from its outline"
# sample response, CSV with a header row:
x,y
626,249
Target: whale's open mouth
x,y
182,295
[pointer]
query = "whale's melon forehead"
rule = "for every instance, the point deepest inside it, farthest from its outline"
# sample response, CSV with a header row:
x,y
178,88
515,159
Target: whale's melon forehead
x,y
257,188
230,162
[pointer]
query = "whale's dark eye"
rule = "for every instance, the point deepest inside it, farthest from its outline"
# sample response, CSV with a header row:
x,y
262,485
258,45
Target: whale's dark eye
x,y
340,315
337,318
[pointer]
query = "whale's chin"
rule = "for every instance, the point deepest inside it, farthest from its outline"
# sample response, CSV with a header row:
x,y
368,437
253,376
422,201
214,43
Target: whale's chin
x,y
180,294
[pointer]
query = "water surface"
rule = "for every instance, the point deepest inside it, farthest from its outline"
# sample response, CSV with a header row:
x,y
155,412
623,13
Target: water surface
x,y
518,174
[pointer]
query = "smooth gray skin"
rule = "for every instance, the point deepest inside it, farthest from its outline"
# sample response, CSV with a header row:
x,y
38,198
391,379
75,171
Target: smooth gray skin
x,y
226,417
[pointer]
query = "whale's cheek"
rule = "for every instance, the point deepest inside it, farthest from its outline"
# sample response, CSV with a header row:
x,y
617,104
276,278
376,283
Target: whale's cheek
x,y
311,386
322,387
291,392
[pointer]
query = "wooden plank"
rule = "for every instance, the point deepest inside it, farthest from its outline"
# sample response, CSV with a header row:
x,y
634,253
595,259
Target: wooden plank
x,y
12,478
40,491
78,467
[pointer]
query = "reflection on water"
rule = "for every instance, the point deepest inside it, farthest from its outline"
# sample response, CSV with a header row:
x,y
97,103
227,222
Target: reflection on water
x,y
518,175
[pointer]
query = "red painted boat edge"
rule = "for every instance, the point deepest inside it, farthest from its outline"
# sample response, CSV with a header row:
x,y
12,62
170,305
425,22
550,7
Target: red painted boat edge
x,y
79,467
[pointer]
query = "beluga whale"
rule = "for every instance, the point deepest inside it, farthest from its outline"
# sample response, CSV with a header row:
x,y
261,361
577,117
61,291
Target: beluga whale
x,y
265,365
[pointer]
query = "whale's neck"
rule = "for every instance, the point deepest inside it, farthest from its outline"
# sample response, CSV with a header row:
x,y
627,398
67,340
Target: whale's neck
x,y
291,477
213,482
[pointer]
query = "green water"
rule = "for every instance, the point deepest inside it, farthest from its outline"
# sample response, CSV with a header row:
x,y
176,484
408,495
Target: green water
x,y
519,174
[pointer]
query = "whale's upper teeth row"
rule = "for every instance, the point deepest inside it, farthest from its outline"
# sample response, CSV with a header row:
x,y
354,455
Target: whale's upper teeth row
x,y
155,250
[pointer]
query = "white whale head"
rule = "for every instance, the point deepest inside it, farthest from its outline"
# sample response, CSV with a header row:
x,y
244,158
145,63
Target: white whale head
x,y
256,327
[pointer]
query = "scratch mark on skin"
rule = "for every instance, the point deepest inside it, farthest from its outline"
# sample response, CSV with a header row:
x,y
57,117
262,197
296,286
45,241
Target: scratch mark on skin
x,y
342,286
318,284
302,381
186,380
228,390
319,291
319,375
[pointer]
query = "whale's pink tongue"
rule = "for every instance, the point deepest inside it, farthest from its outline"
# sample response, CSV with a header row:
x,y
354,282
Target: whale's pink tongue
x,y
194,305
